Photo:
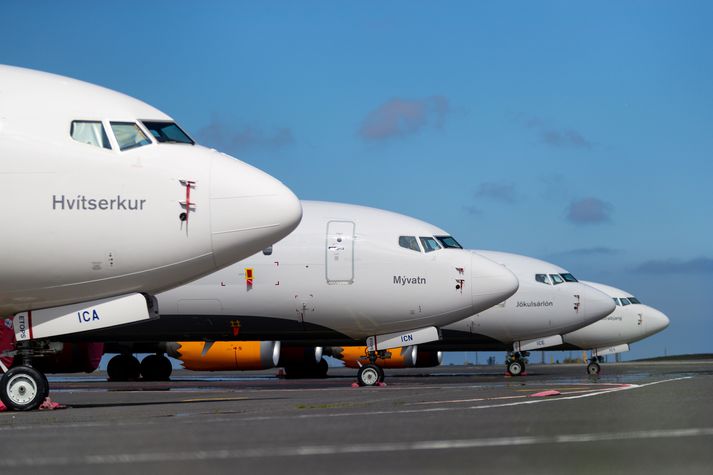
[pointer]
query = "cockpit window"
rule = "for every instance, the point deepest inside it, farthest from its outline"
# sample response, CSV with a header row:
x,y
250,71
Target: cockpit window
x,y
448,242
128,135
542,278
90,132
634,300
569,278
556,279
429,244
409,242
616,301
624,301
167,132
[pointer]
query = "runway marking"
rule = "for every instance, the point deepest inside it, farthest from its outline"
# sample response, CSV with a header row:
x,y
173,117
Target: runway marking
x,y
212,399
312,450
457,401
498,398
623,387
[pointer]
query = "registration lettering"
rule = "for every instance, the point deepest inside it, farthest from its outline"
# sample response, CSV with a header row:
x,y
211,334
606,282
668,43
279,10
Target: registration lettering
x,y
87,316
403,280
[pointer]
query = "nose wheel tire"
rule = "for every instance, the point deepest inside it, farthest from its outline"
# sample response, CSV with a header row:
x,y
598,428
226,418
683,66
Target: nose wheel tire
x,y
23,388
593,368
369,375
516,368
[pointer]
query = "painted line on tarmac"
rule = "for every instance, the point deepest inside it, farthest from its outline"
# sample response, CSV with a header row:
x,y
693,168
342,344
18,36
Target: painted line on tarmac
x,y
522,396
624,387
312,450
214,399
460,401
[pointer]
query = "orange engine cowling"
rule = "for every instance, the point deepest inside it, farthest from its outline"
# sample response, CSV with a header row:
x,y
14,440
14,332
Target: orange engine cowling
x,y
404,357
226,355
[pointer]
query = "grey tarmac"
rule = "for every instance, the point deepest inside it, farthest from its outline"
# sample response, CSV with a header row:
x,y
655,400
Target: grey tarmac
x,y
634,418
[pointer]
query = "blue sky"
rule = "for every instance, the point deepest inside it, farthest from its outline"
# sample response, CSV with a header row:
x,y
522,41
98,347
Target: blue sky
x,y
576,132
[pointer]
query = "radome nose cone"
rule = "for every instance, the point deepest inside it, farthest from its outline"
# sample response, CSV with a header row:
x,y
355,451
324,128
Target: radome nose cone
x,y
596,304
250,210
492,283
655,320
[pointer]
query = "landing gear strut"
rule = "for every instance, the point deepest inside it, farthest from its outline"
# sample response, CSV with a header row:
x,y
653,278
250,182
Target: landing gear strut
x,y
371,374
593,368
22,387
516,361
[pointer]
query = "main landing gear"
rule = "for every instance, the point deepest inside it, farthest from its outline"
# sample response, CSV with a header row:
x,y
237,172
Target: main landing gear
x,y
515,362
371,374
593,368
125,367
22,387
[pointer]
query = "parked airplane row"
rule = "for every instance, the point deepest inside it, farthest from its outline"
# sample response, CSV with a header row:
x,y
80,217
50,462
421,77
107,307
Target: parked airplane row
x,y
136,208
260,298
550,310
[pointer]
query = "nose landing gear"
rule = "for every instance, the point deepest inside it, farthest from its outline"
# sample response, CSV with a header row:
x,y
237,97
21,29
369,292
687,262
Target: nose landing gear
x,y
593,368
371,374
515,362
22,387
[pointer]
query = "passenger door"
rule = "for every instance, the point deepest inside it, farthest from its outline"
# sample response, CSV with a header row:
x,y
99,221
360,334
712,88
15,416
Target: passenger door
x,y
340,252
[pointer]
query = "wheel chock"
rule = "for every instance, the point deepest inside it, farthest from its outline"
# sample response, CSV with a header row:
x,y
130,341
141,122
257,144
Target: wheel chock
x,y
548,393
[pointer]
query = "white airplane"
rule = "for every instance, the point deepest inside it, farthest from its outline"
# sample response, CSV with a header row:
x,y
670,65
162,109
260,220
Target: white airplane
x,y
106,199
347,274
548,303
630,322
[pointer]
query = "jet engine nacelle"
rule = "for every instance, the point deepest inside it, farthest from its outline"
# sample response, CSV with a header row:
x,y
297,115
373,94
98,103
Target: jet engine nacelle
x,y
404,357
429,359
226,355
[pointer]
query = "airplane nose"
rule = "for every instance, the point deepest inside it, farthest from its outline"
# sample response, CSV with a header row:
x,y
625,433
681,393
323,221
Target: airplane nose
x,y
654,320
249,210
492,283
595,304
